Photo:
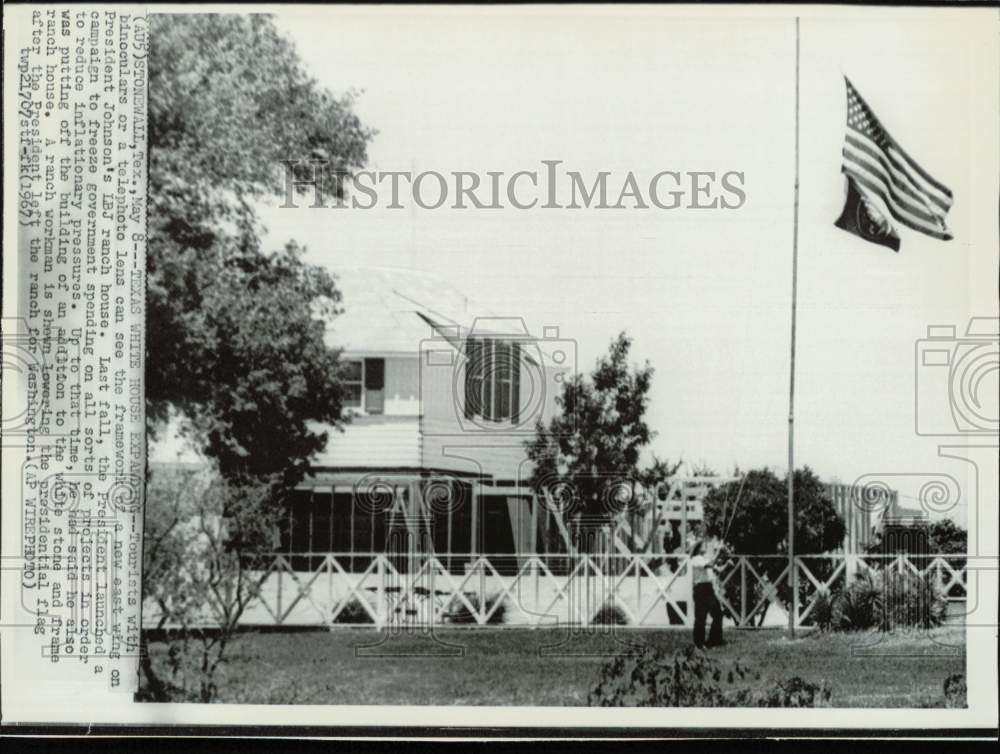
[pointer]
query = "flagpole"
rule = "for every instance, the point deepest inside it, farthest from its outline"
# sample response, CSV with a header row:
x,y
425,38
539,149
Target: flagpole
x,y
792,570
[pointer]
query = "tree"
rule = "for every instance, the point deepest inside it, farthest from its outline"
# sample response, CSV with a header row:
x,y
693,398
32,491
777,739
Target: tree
x,y
943,537
235,334
702,469
947,538
586,461
751,516
201,535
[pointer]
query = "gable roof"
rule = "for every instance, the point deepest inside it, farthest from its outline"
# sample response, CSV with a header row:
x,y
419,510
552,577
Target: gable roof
x,y
391,310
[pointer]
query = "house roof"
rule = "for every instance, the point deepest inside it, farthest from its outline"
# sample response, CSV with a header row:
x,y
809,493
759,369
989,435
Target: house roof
x,y
390,310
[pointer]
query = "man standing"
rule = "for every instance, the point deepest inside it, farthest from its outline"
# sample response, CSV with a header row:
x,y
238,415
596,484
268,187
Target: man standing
x,y
702,563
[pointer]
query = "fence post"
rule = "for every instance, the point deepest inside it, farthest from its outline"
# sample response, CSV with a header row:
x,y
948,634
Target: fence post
x,y
743,592
850,568
328,567
638,578
281,573
690,591
380,610
793,577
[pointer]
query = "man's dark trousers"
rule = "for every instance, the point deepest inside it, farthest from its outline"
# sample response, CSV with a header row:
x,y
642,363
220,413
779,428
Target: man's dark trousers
x,y
705,603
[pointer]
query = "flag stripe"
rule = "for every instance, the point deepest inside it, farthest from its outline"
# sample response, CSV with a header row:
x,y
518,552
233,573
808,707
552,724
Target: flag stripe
x,y
879,164
875,183
916,214
944,200
879,188
907,183
903,195
932,184
898,213
899,158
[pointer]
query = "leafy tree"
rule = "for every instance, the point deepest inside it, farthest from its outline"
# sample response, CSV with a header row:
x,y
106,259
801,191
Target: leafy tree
x,y
943,537
586,461
702,469
235,333
751,515
201,534
947,538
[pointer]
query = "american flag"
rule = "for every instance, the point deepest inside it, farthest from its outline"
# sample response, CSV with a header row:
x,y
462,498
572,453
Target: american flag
x,y
876,162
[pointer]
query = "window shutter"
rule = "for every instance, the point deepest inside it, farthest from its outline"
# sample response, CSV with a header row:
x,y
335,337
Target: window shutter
x,y
487,375
515,382
502,370
374,386
473,386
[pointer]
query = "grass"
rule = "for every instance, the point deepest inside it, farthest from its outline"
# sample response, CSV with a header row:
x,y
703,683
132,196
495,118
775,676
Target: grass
x,y
551,667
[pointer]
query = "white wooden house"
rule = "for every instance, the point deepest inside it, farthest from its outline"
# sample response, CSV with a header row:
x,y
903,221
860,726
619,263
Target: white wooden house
x,y
442,397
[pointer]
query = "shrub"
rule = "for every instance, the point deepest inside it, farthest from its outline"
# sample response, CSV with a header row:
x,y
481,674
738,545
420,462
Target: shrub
x,y
910,599
794,692
955,691
459,612
646,677
859,606
955,694
822,612
610,614
353,612
887,600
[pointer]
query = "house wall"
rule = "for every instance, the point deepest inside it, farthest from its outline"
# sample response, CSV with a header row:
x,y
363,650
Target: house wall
x,y
424,426
389,440
451,441
373,441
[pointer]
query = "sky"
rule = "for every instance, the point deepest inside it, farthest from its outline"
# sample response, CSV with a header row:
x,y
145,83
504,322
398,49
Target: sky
x,y
705,294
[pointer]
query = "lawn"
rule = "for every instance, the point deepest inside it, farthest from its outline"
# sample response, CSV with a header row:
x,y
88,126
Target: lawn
x,y
551,667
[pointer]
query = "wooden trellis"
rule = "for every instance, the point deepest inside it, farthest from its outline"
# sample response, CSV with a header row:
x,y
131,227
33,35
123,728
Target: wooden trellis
x,y
559,590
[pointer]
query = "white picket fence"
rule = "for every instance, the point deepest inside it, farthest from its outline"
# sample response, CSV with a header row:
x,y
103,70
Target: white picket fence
x,y
531,590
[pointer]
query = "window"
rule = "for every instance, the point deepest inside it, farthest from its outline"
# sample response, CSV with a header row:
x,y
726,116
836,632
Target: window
x,y
352,384
364,385
492,379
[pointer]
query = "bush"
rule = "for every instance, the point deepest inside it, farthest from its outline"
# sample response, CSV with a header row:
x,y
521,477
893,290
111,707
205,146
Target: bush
x,y
954,694
887,600
859,606
610,614
459,612
955,691
822,612
353,612
912,600
646,677
794,692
